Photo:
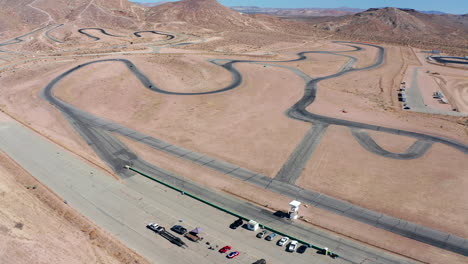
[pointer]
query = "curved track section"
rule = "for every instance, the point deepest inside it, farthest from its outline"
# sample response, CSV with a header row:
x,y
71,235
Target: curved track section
x,y
82,31
98,133
19,39
138,34
52,38
450,59
419,148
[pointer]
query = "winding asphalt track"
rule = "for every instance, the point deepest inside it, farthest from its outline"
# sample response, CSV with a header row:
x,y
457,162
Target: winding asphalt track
x,y
138,34
82,31
52,29
419,148
96,132
450,59
19,38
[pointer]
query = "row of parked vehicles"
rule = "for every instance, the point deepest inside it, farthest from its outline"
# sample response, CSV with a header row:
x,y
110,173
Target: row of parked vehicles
x,y
291,247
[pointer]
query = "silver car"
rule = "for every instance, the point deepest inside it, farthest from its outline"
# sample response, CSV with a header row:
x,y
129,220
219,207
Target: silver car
x,y
271,236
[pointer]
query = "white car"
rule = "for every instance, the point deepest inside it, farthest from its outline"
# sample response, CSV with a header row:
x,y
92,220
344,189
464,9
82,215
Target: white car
x,y
155,227
283,241
292,246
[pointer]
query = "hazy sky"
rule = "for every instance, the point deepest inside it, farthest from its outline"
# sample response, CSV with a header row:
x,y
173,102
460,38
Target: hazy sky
x,y
449,6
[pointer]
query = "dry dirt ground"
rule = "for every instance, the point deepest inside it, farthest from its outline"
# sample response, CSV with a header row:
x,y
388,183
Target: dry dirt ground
x,y
37,227
247,127
452,81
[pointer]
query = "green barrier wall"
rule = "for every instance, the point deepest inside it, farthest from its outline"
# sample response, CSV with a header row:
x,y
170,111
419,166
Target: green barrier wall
x,y
226,211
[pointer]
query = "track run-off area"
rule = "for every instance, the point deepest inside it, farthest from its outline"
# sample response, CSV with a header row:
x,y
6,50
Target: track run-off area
x,y
98,134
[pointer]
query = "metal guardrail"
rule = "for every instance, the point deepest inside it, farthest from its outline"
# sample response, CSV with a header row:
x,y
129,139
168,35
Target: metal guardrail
x,y
230,212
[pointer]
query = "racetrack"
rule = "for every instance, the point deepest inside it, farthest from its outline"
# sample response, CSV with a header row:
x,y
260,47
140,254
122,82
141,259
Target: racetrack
x,y
450,59
47,33
137,34
96,132
82,31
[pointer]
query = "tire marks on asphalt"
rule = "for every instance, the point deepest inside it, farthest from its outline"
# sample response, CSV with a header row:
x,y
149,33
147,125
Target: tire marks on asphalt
x,y
419,148
292,169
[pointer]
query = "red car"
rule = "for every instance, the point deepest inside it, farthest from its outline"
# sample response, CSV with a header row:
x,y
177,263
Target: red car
x,y
233,254
225,249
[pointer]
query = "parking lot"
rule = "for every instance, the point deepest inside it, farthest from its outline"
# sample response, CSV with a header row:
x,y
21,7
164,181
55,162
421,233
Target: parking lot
x,y
172,208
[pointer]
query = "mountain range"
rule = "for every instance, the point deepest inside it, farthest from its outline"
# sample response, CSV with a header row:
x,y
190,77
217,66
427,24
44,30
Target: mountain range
x,y
391,25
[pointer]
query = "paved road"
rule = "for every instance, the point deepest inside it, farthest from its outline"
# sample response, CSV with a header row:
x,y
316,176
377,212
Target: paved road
x,y
419,148
415,99
292,169
20,39
94,130
450,59
52,38
137,34
170,36
82,31
123,208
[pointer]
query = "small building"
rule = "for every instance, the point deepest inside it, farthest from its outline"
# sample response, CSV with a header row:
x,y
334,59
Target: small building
x,y
435,51
253,225
294,211
444,101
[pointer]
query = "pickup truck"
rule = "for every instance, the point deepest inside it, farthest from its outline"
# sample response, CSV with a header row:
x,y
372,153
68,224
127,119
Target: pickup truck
x,y
155,227
192,236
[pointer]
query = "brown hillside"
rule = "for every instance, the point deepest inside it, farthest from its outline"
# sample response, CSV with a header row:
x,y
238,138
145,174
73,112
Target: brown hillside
x,y
206,15
103,13
402,26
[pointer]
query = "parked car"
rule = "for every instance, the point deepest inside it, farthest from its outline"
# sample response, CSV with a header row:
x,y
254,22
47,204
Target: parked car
x,y
283,241
302,249
260,261
236,223
292,246
225,249
179,229
155,227
233,254
406,108
271,236
261,234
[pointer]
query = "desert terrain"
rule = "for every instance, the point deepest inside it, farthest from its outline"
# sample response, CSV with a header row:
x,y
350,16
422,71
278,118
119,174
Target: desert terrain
x,y
252,107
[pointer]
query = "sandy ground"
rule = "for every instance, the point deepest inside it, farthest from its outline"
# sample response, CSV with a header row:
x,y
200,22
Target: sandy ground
x,y
262,99
366,98
430,190
37,227
310,214
428,86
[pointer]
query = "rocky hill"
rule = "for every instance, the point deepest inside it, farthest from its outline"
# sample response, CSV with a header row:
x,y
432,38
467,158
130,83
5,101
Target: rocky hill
x,y
401,26
207,15
105,13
